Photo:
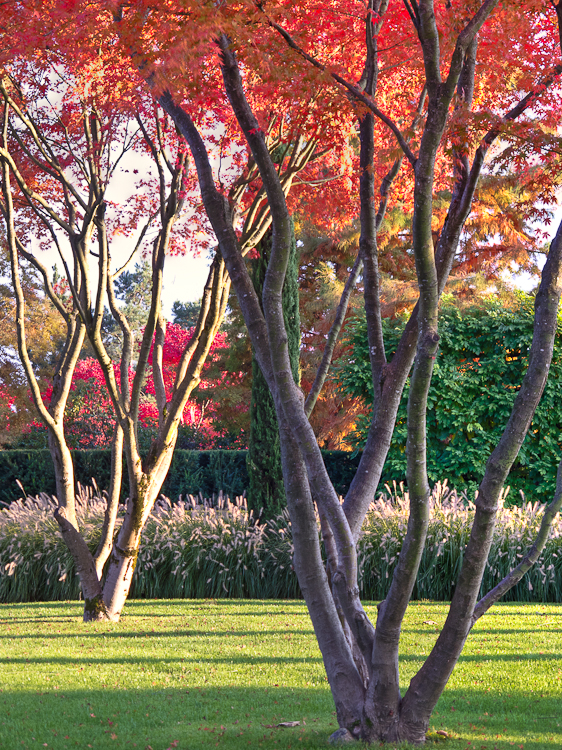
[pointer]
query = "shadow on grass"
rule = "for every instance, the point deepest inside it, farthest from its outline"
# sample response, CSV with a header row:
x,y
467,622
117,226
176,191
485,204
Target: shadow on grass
x,y
492,631
192,717
278,605
480,658
162,660
135,635
250,660
242,717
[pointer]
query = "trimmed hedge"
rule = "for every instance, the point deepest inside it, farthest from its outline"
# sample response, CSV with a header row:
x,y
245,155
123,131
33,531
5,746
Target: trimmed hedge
x,y
191,472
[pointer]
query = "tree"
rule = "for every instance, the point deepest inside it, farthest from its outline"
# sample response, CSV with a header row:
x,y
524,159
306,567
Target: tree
x,y
67,126
474,92
361,660
185,313
52,157
265,474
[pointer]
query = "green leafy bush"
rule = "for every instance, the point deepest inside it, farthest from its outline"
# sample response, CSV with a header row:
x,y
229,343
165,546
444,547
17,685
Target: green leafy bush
x,y
483,356
195,548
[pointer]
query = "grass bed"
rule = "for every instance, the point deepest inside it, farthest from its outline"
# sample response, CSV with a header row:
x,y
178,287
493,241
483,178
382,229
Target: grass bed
x,y
190,550
216,673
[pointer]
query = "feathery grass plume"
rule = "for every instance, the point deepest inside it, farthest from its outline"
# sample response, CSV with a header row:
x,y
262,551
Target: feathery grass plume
x,y
215,547
35,564
451,516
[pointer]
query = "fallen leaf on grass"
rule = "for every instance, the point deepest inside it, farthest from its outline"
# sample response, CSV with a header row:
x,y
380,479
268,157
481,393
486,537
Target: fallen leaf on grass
x,y
282,724
429,622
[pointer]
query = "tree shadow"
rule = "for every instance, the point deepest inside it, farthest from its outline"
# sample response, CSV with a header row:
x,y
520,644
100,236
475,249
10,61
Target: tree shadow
x,y
235,717
117,634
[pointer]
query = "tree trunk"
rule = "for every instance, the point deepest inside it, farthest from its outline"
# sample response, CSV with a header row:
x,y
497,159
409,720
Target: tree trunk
x,y
368,702
114,492
65,515
145,488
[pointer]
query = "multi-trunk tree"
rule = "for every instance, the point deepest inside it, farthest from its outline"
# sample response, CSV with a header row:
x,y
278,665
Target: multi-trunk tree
x,y
435,67
68,127
59,162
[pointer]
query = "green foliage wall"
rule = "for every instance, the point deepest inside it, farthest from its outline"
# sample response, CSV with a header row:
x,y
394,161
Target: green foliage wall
x,y
191,472
265,486
482,359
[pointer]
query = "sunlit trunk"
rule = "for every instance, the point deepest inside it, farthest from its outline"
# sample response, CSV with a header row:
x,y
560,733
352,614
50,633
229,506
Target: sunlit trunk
x,y
123,558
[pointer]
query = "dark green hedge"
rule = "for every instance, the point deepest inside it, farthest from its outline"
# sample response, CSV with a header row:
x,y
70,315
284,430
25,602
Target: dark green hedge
x,y
191,472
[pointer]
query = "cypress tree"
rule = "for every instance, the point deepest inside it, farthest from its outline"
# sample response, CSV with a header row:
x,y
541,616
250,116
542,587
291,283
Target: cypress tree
x,y
264,457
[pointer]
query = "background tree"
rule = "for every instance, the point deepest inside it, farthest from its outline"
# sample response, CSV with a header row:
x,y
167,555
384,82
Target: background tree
x,y
134,290
81,145
265,474
185,314
325,268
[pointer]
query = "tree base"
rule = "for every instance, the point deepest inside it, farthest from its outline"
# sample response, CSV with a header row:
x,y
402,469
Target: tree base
x,y
96,611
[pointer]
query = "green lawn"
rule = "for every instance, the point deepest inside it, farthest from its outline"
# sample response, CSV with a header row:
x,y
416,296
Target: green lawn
x,y
205,674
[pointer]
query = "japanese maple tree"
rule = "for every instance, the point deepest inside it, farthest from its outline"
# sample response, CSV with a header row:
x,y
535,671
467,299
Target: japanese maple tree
x,y
434,90
71,116
405,101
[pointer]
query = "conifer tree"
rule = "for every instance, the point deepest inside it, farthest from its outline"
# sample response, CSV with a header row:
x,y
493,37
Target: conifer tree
x,y
264,458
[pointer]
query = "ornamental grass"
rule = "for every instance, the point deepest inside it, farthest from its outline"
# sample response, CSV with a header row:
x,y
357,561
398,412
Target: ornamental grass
x,y
201,548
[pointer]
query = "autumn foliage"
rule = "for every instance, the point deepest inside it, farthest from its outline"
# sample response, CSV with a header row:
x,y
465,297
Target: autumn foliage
x,y
90,419
433,129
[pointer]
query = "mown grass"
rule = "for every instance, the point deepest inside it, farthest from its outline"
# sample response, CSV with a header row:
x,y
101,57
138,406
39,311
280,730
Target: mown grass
x,y
212,673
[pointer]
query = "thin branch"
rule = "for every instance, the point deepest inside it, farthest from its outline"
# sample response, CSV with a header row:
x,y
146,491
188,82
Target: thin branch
x,y
331,341
112,506
357,93
138,243
31,194
530,558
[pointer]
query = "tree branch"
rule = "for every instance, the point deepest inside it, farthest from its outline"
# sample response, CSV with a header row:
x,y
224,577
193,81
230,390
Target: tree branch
x,y
530,558
357,92
331,341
